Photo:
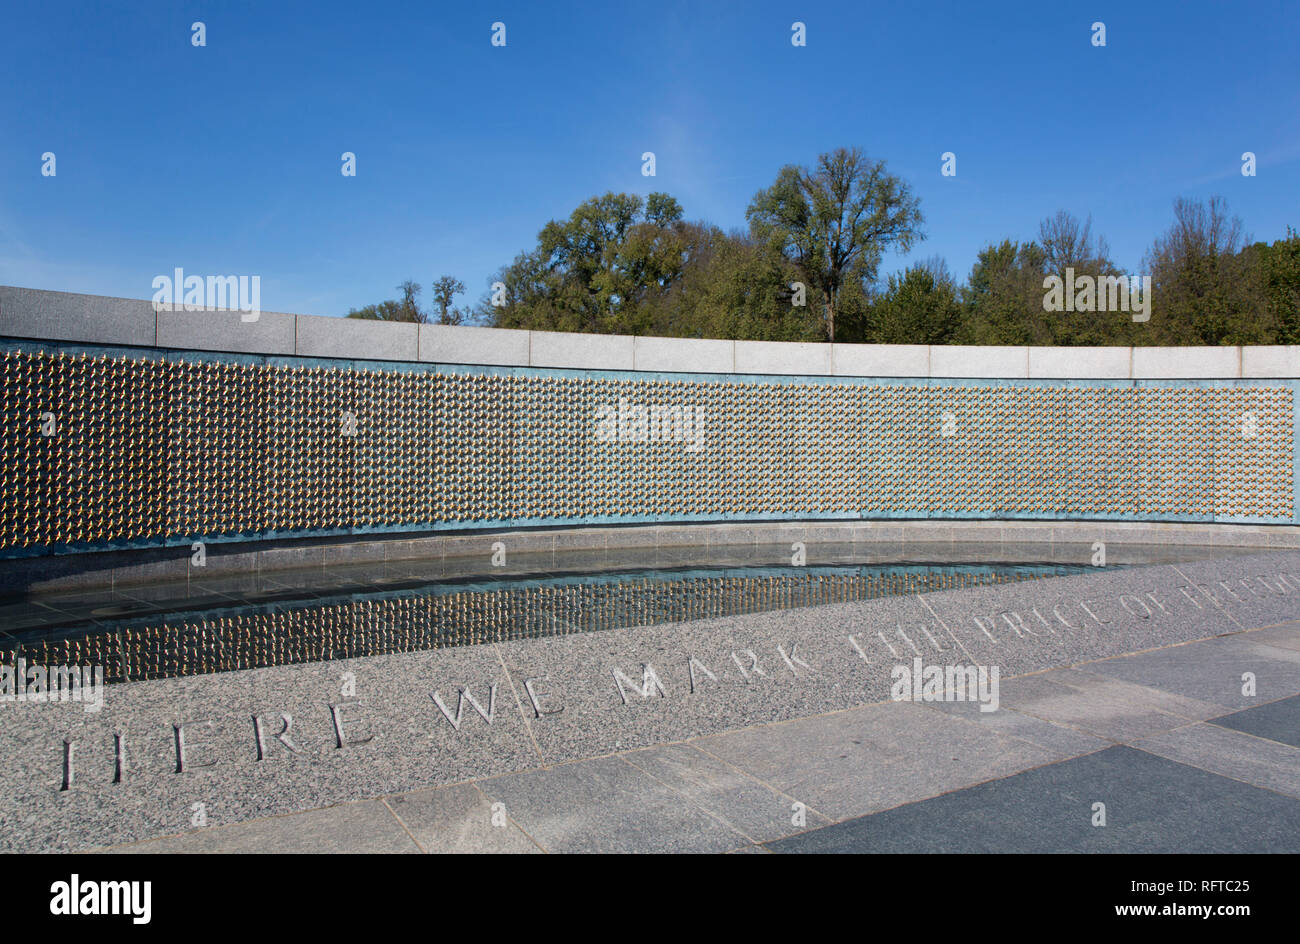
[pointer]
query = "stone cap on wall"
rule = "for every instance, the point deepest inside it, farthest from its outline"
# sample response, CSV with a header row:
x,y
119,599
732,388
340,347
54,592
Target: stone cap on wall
x,y
97,319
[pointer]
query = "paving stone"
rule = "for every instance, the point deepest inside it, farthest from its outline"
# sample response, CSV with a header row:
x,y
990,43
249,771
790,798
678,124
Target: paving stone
x,y
1053,737
354,827
1230,753
458,818
1152,805
744,803
1277,721
1286,636
590,694
854,762
397,736
1102,706
607,805
1211,670
623,689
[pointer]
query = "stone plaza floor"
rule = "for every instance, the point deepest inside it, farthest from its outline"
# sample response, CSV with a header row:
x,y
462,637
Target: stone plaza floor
x,y
1165,738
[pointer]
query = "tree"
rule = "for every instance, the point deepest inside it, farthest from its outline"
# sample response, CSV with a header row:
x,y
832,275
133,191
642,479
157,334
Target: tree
x,y
836,221
410,303
384,311
598,270
1067,243
743,292
920,306
806,269
444,291
1205,289
1276,269
408,309
1003,296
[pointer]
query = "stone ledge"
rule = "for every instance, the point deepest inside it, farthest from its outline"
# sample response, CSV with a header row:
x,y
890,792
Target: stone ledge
x,y
96,319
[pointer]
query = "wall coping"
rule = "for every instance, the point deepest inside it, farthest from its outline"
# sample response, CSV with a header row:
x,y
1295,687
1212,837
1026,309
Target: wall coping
x,y
99,319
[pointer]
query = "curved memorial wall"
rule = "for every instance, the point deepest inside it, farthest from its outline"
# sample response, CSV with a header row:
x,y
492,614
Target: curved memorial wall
x,y
117,446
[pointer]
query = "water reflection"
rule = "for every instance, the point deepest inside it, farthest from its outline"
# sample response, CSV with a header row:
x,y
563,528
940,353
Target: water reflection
x,y
445,613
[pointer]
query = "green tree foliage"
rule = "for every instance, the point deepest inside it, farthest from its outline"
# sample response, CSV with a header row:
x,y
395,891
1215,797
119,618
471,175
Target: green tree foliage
x,y
383,311
836,221
1068,245
742,290
1277,271
1205,286
1004,295
599,269
623,264
920,306
405,309
408,308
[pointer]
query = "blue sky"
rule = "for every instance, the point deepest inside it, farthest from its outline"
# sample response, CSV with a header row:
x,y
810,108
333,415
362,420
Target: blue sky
x,y
225,159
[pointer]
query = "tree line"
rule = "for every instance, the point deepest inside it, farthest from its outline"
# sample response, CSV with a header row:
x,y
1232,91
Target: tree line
x,y
807,268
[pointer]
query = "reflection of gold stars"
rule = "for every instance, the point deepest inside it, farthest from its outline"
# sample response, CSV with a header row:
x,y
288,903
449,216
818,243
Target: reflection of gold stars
x,y
306,633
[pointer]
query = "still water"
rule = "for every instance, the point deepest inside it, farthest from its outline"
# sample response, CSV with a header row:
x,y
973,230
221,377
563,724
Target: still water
x,y
138,637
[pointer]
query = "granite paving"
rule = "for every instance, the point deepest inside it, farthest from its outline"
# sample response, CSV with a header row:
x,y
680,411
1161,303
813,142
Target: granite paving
x,y
1277,721
1150,805
719,735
